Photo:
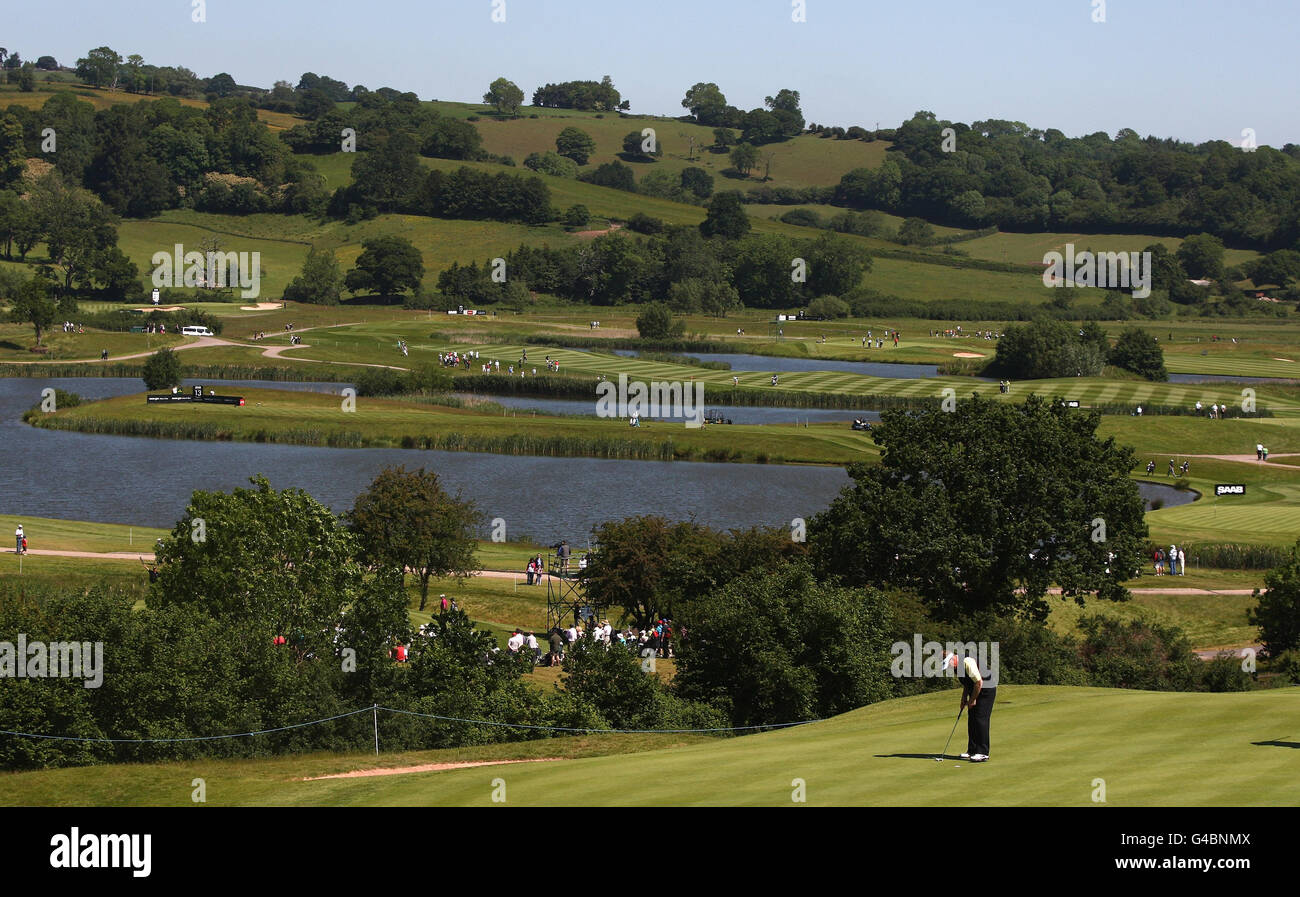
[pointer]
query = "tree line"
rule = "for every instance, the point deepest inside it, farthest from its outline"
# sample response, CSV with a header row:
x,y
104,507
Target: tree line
x,y
1026,179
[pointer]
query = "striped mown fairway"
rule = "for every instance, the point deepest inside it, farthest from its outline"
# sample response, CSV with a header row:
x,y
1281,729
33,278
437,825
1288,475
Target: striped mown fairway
x,y
1050,746
376,344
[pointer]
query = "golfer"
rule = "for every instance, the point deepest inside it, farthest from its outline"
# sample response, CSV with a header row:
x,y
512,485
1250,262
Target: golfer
x,y
979,700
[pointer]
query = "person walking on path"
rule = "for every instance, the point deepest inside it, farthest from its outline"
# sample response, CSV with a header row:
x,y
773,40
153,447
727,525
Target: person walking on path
x,y
20,540
978,692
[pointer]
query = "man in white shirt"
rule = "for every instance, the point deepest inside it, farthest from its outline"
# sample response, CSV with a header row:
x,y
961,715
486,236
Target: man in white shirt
x,y
979,699
515,642
531,642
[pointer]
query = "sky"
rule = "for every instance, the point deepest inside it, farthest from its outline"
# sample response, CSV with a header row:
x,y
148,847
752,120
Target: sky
x,y
1192,69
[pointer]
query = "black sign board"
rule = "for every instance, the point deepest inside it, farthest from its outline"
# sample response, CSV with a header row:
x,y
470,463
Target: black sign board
x,y
207,400
1229,489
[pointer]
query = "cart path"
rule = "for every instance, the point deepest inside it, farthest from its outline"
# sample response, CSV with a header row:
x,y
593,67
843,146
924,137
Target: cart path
x,y
1243,458
200,343
148,557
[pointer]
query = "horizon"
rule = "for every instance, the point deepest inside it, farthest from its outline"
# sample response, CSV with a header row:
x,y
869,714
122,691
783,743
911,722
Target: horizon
x,y
1065,83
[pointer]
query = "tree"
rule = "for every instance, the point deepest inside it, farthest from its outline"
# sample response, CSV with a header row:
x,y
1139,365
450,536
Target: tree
x,y
13,151
575,144
726,217
280,562
33,305
778,646
611,174
985,505
1278,612
828,307
320,282
387,176
1047,348
47,63
27,78
656,322
637,147
223,85
915,232
576,216
163,370
1201,256
451,138
75,226
1139,352
1278,267
697,181
99,67
707,103
551,163
388,265
835,265
406,520
744,157
505,96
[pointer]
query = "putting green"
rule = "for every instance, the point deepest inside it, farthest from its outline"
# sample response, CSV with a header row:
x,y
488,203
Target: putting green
x,y
1051,746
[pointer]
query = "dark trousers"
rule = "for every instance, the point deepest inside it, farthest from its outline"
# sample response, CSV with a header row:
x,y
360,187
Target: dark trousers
x,y
977,722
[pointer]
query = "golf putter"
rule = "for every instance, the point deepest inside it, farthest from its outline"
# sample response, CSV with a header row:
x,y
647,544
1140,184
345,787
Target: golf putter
x,y
939,759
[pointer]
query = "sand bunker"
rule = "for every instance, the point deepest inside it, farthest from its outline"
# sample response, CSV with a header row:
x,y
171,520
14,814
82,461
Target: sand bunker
x,y
424,767
162,308
1291,360
261,306
967,355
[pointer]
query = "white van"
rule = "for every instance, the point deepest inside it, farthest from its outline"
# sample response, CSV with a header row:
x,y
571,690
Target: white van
x,y
194,330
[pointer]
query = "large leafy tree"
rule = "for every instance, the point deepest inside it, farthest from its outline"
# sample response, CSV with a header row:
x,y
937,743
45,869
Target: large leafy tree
x,y
744,157
388,265
386,177
1139,352
1201,255
163,370
13,152
33,305
726,217
505,95
99,67
1278,613
320,282
778,646
407,520
576,144
76,227
985,506
707,103
279,561
654,567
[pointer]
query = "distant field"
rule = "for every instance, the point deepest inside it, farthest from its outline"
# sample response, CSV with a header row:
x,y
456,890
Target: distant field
x,y
103,99
1028,249
804,161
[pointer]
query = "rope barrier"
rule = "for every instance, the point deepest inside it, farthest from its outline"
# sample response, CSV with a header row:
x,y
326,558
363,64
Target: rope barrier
x,y
433,716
